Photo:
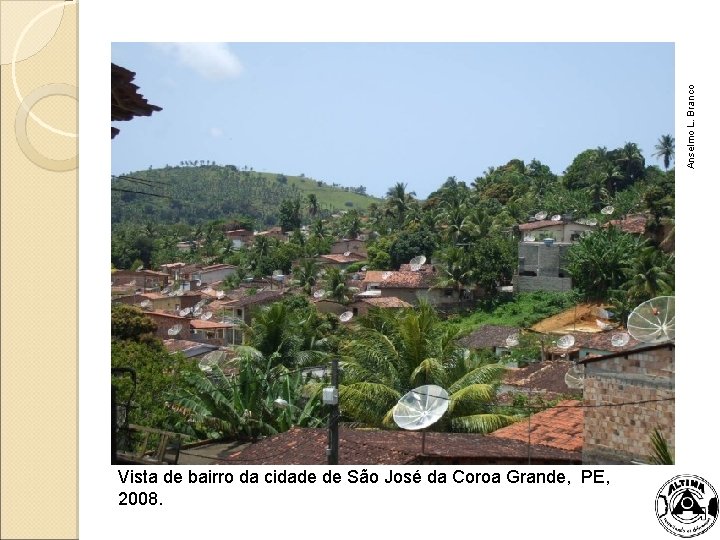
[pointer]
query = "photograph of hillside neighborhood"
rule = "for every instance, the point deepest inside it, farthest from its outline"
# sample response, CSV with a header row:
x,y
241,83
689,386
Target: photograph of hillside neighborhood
x,y
389,254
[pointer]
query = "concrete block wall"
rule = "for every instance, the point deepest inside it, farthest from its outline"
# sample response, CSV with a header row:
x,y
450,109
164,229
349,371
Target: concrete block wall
x,y
621,433
542,283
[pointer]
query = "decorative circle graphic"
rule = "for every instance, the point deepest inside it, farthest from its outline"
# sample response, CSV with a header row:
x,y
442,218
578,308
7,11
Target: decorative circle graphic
x,y
56,89
686,505
14,75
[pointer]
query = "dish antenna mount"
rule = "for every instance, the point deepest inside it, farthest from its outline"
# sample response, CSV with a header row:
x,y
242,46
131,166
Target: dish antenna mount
x,y
653,321
417,262
421,408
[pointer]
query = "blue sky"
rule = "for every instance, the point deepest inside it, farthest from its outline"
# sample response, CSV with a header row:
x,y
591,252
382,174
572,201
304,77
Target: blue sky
x,y
374,114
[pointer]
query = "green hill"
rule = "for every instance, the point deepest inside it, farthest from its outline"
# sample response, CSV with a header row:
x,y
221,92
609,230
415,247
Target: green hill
x,y
196,194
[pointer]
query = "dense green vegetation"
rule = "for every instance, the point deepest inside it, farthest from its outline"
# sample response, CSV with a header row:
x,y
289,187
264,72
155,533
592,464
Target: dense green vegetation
x,y
195,194
469,231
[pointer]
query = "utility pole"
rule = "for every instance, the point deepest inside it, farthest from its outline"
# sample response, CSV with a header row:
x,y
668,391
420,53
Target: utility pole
x,y
330,397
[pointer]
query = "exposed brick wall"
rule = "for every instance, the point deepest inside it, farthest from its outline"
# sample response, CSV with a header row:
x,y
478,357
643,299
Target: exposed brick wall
x,y
621,434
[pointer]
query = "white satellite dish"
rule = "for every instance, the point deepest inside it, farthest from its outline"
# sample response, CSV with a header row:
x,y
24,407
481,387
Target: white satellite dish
x,y
319,293
603,313
592,222
607,210
363,269
206,316
197,311
653,321
513,340
346,254
166,290
540,216
417,262
146,304
386,275
220,294
529,238
346,316
566,341
199,305
556,217
575,377
207,362
602,325
185,312
139,268
620,340
175,330
421,407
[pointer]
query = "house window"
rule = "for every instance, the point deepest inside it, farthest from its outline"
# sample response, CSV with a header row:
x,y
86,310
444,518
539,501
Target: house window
x,y
448,292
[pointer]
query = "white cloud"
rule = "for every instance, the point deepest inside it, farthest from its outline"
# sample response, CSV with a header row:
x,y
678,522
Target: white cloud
x,y
211,60
216,132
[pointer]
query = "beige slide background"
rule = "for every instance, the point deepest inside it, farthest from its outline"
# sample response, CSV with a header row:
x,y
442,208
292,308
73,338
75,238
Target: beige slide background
x,y
39,273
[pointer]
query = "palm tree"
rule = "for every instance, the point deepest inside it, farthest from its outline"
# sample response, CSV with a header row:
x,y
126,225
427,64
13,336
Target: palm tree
x,y
240,401
336,287
396,353
397,200
665,149
306,275
313,205
651,274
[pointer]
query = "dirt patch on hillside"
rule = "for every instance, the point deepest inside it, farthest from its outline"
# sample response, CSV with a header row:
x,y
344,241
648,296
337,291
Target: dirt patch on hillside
x,y
580,318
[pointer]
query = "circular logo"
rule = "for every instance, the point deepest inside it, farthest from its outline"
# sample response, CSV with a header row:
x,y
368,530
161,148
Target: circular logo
x,y
686,505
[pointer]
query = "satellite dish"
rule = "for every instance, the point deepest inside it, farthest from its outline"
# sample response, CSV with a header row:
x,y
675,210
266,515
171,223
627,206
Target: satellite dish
x,y
603,313
319,293
607,210
529,238
602,325
277,273
512,340
417,262
146,304
346,316
166,290
207,362
175,330
421,407
197,311
540,216
592,222
280,403
556,217
199,305
206,316
139,268
620,340
185,312
582,221
220,294
346,254
363,269
386,275
653,321
575,377
566,341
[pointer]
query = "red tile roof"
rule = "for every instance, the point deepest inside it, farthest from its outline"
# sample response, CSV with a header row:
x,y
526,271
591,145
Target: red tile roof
x,y
401,279
488,336
341,258
547,377
559,427
306,446
631,224
199,324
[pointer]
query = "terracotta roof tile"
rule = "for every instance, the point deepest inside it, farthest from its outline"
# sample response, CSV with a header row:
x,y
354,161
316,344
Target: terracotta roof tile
x,y
261,297
631,224
402,279
559,427
386,302
548,376
343,259
306,446
488,336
